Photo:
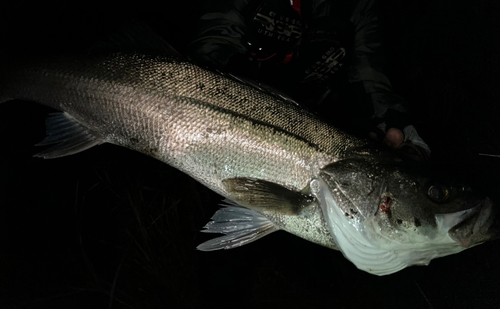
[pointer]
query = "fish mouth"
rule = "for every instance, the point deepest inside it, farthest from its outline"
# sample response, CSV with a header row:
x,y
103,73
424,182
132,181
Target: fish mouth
x,y
473,226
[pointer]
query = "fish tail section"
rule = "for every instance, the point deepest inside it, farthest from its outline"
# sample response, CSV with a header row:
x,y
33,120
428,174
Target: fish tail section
x,y
4,99
67,136
3,95
240,226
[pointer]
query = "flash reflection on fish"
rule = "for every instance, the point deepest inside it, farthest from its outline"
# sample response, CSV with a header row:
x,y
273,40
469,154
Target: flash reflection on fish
x,y
281,170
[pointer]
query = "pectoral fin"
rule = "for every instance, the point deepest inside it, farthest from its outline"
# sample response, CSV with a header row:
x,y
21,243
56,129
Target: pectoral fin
x,y
69,136
266,197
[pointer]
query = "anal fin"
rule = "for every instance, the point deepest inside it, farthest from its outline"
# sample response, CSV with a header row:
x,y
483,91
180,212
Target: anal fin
x,y
68,135
240,226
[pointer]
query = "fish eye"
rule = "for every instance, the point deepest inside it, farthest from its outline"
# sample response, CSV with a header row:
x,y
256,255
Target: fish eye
x,y
438,193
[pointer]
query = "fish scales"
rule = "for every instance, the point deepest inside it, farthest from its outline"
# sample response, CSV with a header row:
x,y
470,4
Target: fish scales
x,y
203,123
290,170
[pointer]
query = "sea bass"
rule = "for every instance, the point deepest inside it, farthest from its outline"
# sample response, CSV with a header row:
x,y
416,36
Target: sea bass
x,y
280,166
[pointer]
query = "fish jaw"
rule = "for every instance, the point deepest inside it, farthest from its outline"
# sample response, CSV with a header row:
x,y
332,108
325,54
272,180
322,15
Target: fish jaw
x,y
473,226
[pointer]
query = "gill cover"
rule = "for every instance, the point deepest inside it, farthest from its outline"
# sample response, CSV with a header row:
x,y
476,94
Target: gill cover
x,y
352,192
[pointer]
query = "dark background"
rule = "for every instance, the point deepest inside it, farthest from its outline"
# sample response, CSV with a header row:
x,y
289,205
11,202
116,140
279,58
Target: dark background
x,y
110,228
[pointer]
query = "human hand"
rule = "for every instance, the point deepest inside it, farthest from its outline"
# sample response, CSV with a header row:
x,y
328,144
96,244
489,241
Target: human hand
x,y
393,138
406,142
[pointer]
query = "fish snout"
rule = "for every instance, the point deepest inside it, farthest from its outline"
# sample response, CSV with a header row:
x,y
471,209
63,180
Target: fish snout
x,y
477,226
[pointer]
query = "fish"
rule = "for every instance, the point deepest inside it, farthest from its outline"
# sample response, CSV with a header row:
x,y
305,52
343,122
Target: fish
x,y
278,165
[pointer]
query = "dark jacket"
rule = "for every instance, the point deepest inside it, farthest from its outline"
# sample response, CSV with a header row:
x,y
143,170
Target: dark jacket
x,y
225,29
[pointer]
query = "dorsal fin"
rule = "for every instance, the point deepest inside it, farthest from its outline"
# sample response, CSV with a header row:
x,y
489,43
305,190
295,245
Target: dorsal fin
x,y
261,87
135,37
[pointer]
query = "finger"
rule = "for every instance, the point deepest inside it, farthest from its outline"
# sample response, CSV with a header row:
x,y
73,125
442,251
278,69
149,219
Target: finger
x,y
394,138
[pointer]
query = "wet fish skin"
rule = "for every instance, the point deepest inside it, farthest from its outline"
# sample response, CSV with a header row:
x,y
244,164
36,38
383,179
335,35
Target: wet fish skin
x,y
176,111
206,125
290,169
